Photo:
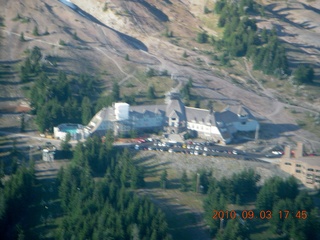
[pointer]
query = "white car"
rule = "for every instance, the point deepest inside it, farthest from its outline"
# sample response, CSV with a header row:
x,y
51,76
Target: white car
x,y
196,153
205,149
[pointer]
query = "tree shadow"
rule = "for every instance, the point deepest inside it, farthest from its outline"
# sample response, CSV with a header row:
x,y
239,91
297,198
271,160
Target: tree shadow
x,y
308,7
183,222
155,11
270,131
133,42
284,16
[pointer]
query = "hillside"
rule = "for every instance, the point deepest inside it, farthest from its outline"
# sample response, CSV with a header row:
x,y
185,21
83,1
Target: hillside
x,y
98,35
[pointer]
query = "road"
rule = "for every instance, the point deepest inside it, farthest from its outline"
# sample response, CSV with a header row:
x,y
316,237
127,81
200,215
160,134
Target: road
x,y
203,148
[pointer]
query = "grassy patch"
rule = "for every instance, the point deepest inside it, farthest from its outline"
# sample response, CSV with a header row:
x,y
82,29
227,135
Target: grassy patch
x,y
139,86
307,120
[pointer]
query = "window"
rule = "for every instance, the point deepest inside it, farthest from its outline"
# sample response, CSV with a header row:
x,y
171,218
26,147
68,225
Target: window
x,y
309,176
310,169
317,170
173,119
298,171
317,181
287,163
298,165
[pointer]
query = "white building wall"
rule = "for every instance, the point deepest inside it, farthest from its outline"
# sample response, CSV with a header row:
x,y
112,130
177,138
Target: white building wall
x,y
58,134
203,129
121,111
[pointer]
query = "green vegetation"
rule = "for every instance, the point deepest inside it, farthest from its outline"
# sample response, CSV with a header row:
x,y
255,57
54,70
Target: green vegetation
x,y
303,74
151,93
184,182
1,21
202,37
206,10
31,67
16,195
115,92
22,123
186,90
105,7
168,33
164,179
22,39
35,31
274,196
62,42
241,38
58,99
105,208
21,19
91,199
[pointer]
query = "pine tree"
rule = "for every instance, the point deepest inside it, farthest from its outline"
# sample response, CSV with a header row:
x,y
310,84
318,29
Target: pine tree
x,y
150,93
22,123
35,31
115,92
86,108
184,182
22,39
185,55
163,179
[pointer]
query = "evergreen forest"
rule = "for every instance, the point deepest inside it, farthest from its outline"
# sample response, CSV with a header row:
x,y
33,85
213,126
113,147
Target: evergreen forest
x,y
95,199
266,202
241,37
60,98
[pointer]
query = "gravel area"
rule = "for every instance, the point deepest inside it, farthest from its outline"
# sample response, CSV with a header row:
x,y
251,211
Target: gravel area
x,y
175,163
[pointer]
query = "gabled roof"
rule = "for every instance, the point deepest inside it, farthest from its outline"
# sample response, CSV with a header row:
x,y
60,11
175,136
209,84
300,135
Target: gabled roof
x,y
237,110
151,108
200,116
226,117
175,105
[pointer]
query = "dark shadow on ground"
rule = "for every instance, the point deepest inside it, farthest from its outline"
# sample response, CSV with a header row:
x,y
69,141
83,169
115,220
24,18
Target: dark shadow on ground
x,y
183,222
272,131
133,42
155,11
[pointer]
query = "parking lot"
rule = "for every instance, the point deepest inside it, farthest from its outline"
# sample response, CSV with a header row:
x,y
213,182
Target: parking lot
x,y
196,148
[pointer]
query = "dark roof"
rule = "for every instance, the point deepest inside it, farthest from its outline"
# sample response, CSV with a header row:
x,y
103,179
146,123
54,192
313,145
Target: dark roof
x,y
176,107
200,115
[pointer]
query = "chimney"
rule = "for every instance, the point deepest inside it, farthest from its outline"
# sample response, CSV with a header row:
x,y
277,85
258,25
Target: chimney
x,y
299,150
287,152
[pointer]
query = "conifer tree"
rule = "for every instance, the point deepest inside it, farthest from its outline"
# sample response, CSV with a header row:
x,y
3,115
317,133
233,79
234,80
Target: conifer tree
x,y
184,182
163,179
